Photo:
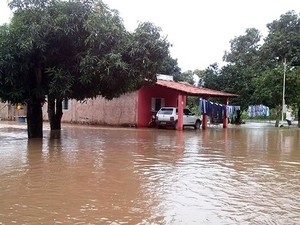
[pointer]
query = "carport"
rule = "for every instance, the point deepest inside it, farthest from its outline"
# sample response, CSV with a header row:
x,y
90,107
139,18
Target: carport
x,y
184,89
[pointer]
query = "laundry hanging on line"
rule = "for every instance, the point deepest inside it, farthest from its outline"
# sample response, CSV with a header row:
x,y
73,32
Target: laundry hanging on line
x,y
217,110
210,108
258,110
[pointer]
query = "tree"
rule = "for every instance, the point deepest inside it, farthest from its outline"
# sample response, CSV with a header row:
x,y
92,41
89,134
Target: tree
x,y
242,67
170,67
211,76
113,58
187,76
21,71
255,71
244,48
73,50
283,40
281,46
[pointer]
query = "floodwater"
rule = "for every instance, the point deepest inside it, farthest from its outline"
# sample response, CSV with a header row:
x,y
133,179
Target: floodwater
x,y
247,174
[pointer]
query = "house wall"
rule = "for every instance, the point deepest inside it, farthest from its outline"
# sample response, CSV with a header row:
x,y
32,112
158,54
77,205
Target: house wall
x,y
11,112
3,111
145,96
133,109
120,111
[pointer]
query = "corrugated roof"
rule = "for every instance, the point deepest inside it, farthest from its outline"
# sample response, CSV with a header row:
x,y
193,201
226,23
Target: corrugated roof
x,y
193,90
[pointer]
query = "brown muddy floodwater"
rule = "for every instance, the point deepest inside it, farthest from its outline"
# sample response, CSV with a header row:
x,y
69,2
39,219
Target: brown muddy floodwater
x,y
248,174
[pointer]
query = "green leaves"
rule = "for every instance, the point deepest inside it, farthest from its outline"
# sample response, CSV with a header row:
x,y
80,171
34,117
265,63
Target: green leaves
x,y
244,48
283,40
61,82
81,48
255,71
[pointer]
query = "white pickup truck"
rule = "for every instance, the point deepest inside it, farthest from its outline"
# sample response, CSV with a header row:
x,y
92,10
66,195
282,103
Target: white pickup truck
x,y
168,117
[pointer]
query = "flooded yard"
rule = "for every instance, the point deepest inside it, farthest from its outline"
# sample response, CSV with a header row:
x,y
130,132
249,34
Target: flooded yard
x,y
245,174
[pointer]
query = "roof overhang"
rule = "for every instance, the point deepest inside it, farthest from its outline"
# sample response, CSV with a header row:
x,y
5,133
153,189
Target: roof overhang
x,y
192,90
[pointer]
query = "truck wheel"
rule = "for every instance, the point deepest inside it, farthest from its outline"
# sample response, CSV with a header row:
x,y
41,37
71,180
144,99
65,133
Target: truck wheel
x,y
197,125
176,125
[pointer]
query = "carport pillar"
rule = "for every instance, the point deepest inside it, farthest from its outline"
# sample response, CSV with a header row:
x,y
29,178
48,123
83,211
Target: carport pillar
x,y
204,116
180,112
225,117
204,121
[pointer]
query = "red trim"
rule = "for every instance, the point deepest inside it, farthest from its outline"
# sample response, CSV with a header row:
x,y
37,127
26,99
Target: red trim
x,y
180,112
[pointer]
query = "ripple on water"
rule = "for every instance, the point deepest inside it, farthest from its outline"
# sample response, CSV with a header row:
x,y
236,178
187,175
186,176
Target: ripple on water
x,y
128,176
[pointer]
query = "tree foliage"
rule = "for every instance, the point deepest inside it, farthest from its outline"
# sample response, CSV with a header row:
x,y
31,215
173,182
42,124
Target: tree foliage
x,y
211,77
280,50
255,69
283,38
170,67
187,76
74,49
244,48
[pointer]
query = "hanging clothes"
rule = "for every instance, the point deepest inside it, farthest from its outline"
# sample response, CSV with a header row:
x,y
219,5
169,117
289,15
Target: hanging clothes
x,y
258,110
216,110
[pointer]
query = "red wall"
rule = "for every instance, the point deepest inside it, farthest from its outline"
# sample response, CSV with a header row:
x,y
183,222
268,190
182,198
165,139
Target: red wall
x,y
145,95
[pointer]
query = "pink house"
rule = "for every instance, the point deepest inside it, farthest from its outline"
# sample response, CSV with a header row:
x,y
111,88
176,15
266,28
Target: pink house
x,y
133,109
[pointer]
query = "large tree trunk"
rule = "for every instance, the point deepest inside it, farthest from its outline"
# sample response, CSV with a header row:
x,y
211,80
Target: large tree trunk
x,y
55,113
34,118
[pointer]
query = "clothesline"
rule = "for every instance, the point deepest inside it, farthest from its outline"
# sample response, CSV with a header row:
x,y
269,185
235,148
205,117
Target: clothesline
x,y
217,110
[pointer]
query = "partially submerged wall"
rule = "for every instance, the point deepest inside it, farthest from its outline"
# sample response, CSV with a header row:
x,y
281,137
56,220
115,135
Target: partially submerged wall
x,y
11,112
120,111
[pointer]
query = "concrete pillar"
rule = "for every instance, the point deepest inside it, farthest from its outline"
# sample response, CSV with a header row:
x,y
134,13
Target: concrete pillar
x,y
204,117
225,118
180,111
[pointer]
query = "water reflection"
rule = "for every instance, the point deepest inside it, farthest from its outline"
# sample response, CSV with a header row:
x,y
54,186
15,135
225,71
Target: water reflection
x,y
241,175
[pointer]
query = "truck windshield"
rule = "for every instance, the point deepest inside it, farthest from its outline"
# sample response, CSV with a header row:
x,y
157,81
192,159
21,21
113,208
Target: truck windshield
x,y
165,111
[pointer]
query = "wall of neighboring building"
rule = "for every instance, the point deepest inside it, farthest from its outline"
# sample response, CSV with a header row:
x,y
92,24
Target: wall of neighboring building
x,y
3,110
11,112
120,111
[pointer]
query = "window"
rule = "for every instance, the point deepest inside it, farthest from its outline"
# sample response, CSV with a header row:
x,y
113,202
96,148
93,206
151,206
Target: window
x,y
65,104
166,111
187,112
157,103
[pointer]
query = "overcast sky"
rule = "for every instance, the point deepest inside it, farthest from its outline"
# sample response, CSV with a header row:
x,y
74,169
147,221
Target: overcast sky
x,y
199,30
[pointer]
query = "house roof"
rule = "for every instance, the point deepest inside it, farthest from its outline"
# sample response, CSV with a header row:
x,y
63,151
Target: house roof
x,y
192,90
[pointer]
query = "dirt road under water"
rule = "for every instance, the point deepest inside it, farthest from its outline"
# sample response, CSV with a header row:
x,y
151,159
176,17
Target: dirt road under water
x,y
246,174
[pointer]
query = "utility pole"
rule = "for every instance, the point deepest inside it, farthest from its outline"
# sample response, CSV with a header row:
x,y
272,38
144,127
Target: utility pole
x,y
283,91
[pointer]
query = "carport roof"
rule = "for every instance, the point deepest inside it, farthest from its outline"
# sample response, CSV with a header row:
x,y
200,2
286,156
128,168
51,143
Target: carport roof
x,y
192,90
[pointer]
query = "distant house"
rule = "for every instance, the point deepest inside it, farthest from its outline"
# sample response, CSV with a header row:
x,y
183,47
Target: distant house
x,y
136,108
